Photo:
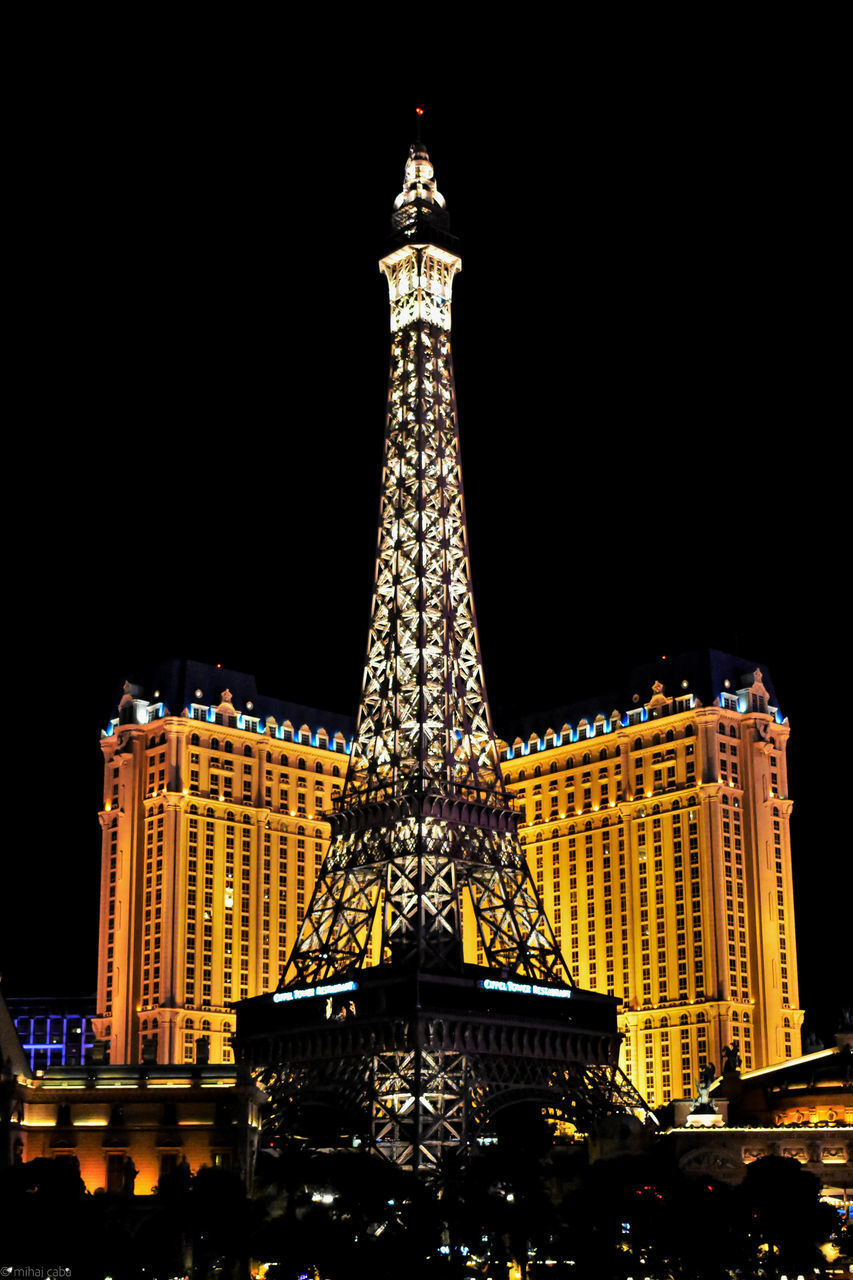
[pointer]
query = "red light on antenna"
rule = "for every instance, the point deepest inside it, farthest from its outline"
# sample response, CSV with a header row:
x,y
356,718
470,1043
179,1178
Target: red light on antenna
x,y
419,111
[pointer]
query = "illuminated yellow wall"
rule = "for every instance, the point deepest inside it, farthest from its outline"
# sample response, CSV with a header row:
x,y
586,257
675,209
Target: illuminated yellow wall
x,y
211,842
662,851
153,1122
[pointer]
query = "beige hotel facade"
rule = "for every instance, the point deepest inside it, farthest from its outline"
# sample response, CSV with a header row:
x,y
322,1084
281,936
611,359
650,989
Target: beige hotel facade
x,y
657,833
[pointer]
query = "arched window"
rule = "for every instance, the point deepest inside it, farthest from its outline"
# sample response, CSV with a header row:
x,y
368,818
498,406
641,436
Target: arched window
x,y
214,744
732,731
537,772
209,813
194,742
193,808
638,744
300,831
336,773
553,766
721,728
229,746
318,768
144,1024
586,758
205,1026
189,1024
602,755
247,750
300,763
283,761
670,736
656,740
521,775
229,816
689,731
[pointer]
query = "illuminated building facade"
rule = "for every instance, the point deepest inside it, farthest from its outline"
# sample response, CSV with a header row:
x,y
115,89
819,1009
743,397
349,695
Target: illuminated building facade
x,y
126,1126
658,834
210,846
701,948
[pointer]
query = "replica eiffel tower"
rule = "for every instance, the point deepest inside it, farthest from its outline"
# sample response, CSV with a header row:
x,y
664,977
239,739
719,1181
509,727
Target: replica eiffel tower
x,y
378,1021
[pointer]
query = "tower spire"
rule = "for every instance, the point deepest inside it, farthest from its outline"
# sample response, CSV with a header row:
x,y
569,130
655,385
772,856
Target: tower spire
x,y
420,210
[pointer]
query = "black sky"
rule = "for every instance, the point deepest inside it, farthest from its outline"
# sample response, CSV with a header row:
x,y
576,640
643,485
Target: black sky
x,y
648,361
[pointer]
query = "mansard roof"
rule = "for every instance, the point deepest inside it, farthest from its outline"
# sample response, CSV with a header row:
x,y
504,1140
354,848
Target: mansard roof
x,y
702,672
180,682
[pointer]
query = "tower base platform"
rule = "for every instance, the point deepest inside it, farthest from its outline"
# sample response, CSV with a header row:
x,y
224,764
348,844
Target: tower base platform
x,y
411,1063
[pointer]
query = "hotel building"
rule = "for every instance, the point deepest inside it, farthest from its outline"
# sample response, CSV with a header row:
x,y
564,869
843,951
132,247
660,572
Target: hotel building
x,y
658,834
211,840
657,831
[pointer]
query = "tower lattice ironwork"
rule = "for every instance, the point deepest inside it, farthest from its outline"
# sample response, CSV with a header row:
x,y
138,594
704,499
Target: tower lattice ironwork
x,y
377,1013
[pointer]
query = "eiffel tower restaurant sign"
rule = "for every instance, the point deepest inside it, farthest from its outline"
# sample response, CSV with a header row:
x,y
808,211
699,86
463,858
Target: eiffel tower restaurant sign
x,y
381,1033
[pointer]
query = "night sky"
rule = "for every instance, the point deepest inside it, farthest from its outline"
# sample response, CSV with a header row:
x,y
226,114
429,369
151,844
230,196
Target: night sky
x,y
648,359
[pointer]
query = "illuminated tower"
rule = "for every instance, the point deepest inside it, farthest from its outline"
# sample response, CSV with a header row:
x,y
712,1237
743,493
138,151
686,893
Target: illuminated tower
x,y
377,1012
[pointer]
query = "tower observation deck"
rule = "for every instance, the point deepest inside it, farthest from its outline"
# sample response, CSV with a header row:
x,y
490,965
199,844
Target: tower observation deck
x,y
379,1031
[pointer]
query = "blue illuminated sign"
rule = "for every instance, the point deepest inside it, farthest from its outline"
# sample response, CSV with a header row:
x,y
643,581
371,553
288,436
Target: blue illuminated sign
x,y
330,989
525,989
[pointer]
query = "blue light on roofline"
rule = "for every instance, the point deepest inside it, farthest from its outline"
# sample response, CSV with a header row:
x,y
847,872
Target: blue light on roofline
x,y
211,716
